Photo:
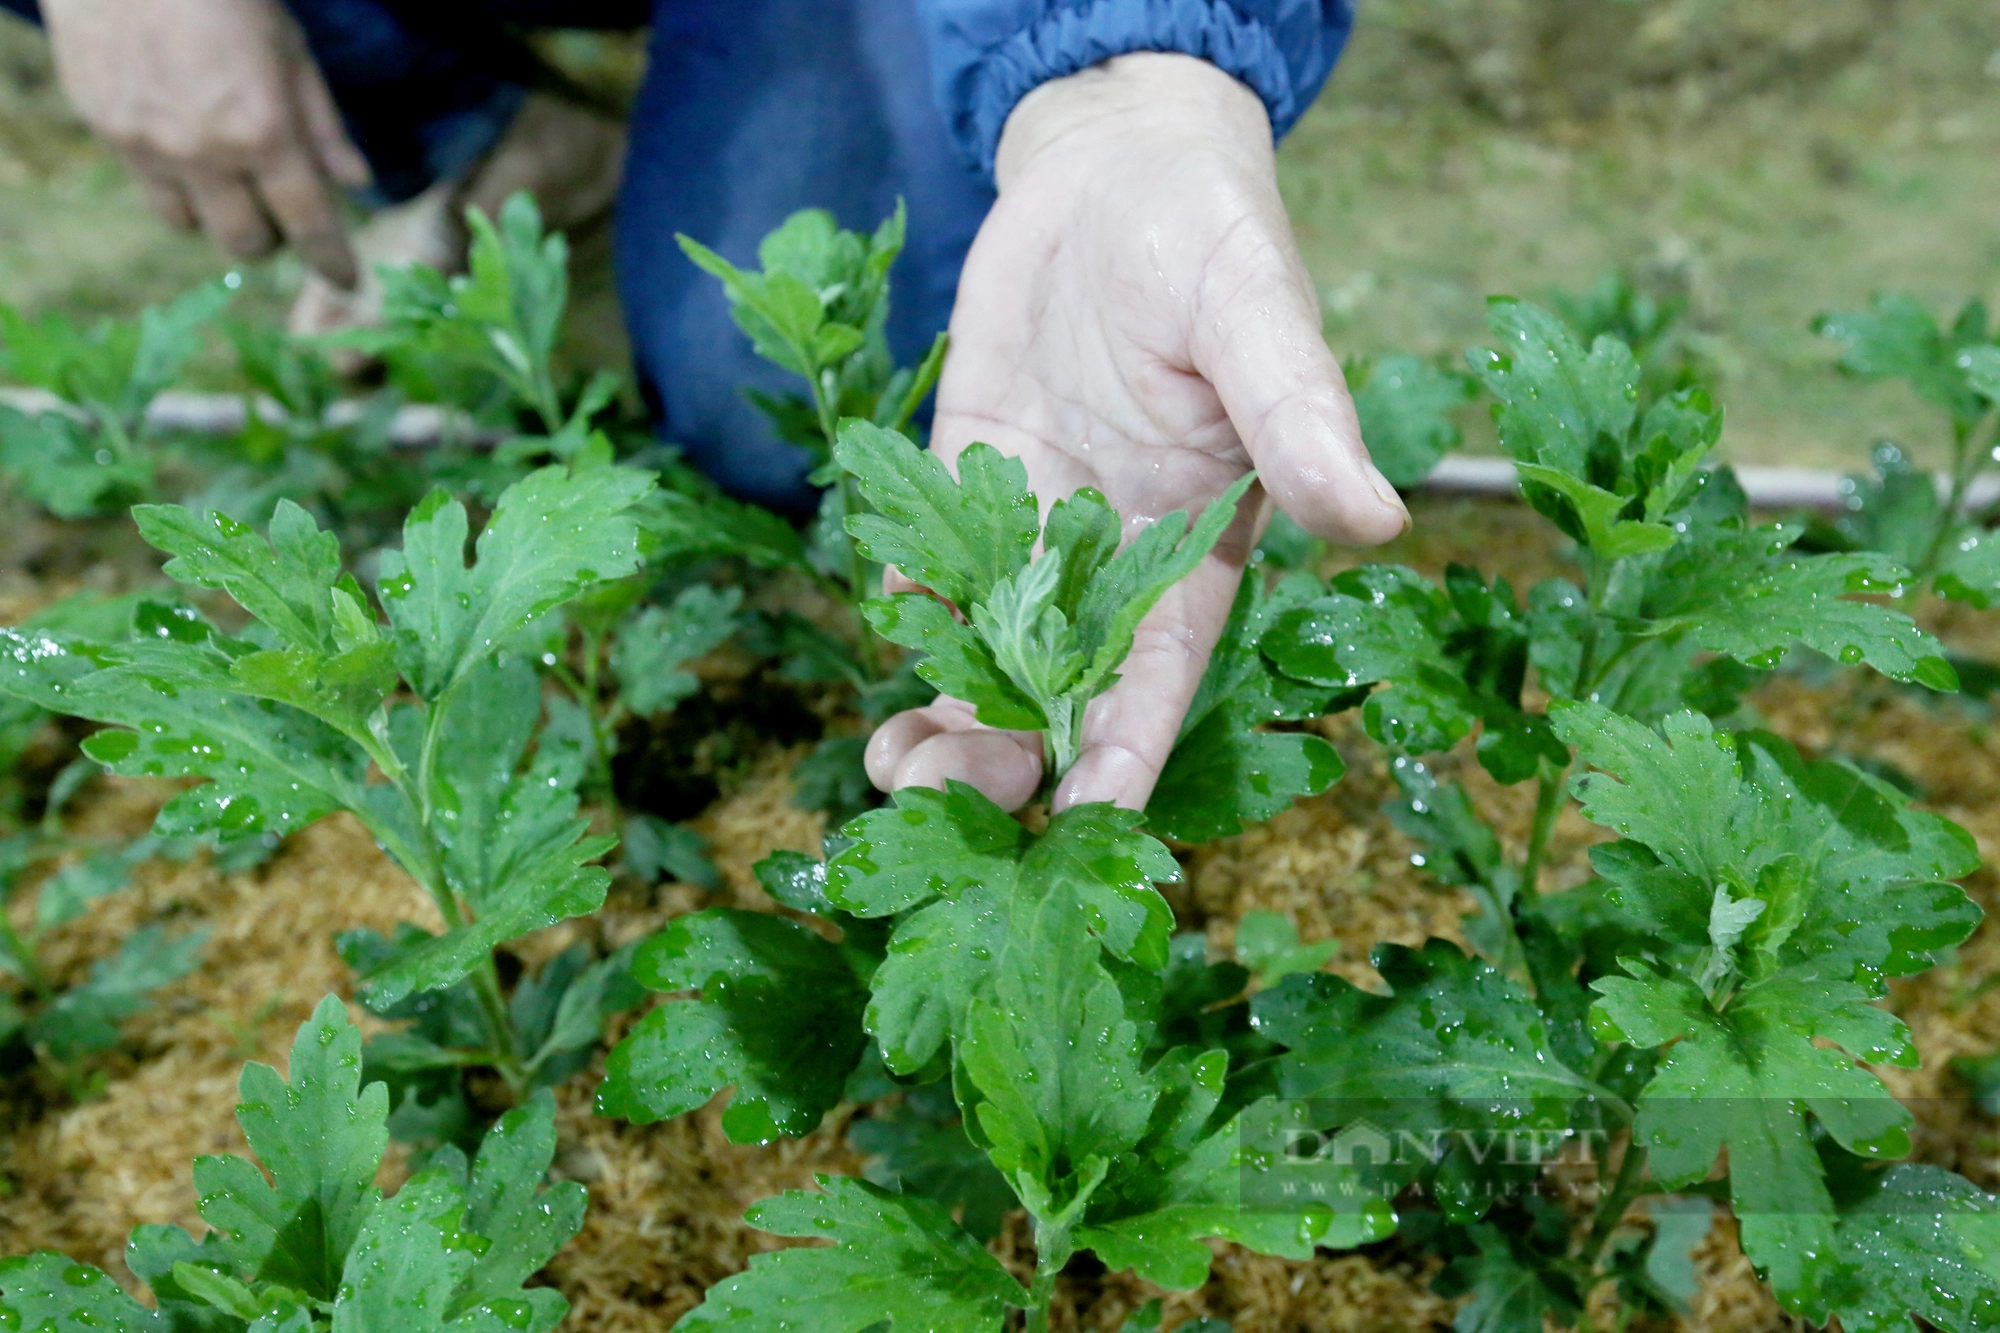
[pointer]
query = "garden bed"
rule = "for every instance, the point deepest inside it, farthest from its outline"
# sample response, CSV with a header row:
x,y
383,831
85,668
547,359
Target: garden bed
x,y
667,1200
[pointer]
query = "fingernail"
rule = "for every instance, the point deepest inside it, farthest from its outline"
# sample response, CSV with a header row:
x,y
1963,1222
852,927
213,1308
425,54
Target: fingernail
x,y
1387,494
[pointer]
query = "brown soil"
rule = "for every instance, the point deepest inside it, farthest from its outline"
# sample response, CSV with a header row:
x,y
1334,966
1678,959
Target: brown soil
x,y
666,1200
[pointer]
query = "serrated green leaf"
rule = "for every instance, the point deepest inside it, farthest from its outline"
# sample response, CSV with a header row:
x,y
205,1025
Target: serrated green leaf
x,y
155,1253
217,1289
523,1223
652,646
345,690
1029,636
551,535
576,997
1418,1080
957,661
1097,852
1608,535
1128,585
52,1293
1702,812
1676,794
895,1260
272,769
408,1259
1912,1241
1454,1036
1133,1158
1896,337
560,888
1268,944
1381,623
1556,401
1084,531
1742,1079
1969,569
1156,1221
959,847
1407,408
1056,1063
285,582
677,528
778,1019
1675,437
937,958
1749,597
1223,774
515,849
320,1134
956,537
502,826
926,844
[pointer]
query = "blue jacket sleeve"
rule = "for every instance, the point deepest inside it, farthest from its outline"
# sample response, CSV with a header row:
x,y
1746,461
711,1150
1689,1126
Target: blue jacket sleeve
x,y
987,54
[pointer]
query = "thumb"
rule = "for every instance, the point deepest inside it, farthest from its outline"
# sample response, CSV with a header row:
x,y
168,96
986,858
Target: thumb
x,y
1259,345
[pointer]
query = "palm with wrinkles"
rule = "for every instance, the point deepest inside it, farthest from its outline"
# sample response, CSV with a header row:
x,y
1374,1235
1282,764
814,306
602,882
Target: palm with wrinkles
x,y
1134,317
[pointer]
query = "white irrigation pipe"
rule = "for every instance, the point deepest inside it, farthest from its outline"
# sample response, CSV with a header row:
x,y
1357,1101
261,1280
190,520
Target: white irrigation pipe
x,y
419,424
1766,487
224,413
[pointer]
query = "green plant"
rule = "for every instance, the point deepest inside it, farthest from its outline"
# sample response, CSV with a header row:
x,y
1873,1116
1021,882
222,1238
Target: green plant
x,y
1900,510
317,1246
819,308
61,1025
93,453
1027,967
1671,357
285,722
306,439
485,341
1711,989
1407,407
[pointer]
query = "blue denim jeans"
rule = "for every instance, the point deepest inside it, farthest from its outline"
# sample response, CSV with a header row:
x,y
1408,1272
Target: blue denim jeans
x,y
751,109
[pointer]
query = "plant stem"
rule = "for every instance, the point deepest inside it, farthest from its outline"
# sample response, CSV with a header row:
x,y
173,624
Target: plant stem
x,y
826,402
1548,805
1968,457
425,862
1612,1206
603,719
1040,1296
542,393
857,587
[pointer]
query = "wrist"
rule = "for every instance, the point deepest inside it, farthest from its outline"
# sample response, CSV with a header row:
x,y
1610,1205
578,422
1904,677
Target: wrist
x,y
1156,93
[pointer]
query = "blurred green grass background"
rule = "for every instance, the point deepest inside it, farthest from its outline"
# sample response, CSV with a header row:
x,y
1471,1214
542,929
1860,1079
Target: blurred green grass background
x,y
1762,159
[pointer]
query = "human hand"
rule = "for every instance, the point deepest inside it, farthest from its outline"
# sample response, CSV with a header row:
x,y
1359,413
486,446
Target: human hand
x,y
1134,316
218,109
